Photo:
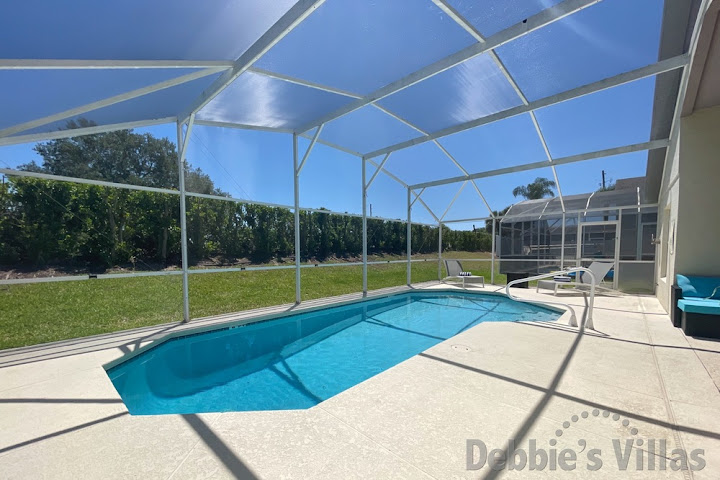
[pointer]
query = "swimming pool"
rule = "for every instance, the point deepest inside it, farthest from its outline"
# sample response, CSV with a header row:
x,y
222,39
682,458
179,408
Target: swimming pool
x,y
299,360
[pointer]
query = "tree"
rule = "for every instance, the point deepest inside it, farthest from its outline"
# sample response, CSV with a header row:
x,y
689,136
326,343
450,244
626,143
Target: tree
x,y
606,186
127,157
540,188
94,227
488,223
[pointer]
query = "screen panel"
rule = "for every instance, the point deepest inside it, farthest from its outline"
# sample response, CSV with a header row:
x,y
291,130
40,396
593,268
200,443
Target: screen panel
x,y
362,46
144,156
490,16
157,105
603,40
32,94
421,163
135,29
331,179
259,100
245,164
610,118
509,142
366,130
587,177
471,90
498,190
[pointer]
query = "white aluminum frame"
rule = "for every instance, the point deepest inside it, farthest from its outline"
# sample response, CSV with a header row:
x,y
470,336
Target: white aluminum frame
x,y
53,64
296,194
106,102
662,66
542,19
616,254
364,227
468,27
637,147
182,142
290,20
38,137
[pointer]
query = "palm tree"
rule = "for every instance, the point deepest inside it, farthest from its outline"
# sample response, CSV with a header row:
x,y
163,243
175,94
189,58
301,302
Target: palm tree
x,y
540,188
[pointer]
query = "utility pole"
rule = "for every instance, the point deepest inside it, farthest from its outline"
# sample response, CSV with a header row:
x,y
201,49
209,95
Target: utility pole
x,y
603,180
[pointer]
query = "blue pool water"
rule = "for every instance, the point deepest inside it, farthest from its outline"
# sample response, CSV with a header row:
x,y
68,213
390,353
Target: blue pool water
x,y
299,360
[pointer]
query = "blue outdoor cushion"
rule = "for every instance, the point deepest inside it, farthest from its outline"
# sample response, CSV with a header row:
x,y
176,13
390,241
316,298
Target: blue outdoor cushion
x,y
697,305
694,286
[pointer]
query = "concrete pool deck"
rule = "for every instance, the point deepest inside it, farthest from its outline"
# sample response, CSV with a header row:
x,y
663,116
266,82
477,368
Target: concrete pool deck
x,y
538,383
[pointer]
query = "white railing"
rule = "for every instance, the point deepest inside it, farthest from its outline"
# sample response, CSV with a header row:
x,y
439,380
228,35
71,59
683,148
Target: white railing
x,y
573,318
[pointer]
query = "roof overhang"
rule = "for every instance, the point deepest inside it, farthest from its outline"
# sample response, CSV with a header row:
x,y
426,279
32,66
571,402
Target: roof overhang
x,y
679,17
703,90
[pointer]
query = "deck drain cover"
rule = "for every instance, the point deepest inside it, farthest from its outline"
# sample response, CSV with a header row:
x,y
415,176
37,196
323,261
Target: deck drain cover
x,y
461,348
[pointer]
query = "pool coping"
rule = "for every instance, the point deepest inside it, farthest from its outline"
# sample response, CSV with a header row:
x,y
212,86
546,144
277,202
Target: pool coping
x,y
298,308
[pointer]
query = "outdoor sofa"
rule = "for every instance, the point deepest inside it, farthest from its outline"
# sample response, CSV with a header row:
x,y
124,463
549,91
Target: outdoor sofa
x,y
696,305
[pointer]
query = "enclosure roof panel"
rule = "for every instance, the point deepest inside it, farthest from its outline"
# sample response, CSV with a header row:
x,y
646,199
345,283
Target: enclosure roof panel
x,y
31,94
363,45
471,90
596,43
366,129
260,100
490,16
135,29
156,105
379,76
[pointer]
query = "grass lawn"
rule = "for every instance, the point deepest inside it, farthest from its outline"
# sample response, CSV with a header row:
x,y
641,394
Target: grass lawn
x,y
46,312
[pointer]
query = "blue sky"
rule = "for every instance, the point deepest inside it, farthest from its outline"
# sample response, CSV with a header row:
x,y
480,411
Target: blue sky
x,y
586,47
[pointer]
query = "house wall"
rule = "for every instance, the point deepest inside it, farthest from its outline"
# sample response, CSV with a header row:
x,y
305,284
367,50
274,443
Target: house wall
x,y
667,222
689,227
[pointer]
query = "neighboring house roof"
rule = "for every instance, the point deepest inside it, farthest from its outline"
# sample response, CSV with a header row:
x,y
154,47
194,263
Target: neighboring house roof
x,y
633,183
625,194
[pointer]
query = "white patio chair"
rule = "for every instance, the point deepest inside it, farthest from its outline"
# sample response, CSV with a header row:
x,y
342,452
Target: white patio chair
x,y
599,269
454,269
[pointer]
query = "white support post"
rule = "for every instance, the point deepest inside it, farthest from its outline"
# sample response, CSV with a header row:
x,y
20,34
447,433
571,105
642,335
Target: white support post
x,y
618,239
315,137
182,142
364,228
440,225
492,257
408,237
562,244
297,168
296,190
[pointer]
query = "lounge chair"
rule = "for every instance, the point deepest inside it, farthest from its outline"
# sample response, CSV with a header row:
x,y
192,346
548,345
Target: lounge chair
x,y
454,269
599,269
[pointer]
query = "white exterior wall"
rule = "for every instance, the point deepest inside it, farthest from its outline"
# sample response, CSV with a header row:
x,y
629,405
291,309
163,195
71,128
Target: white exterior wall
x,y
691,204
667,220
